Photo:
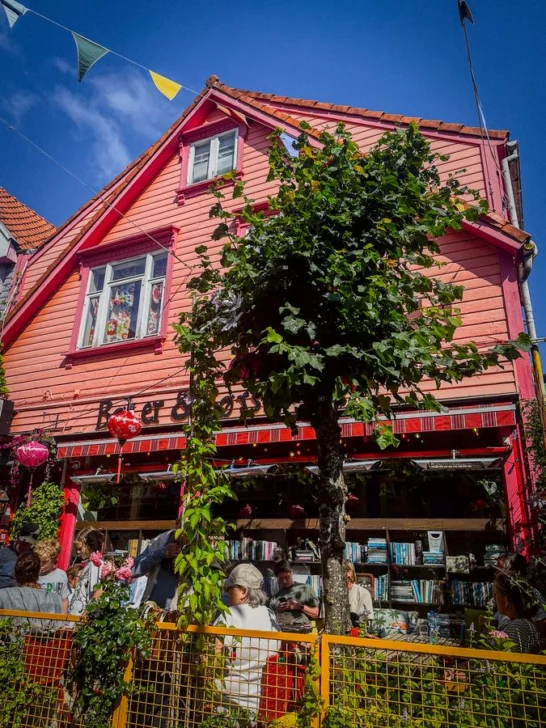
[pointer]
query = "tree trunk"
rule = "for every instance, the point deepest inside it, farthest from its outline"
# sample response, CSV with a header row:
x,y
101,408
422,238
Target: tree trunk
x,y
331,493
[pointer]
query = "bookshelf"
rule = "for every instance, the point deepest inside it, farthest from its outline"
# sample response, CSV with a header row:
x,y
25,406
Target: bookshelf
x,y
434,585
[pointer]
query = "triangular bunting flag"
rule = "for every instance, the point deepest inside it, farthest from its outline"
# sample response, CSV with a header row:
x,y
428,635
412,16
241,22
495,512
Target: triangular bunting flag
x,y
88,53
13,11
167,87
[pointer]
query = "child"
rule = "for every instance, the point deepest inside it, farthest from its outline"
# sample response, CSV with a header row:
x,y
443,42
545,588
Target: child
x,y
73,575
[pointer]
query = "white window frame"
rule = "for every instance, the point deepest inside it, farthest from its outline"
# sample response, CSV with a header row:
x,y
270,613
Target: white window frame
x,y
214,142
144,305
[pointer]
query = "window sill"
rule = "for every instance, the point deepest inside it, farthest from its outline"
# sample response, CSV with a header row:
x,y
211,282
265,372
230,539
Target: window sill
x,y
99,352
185,193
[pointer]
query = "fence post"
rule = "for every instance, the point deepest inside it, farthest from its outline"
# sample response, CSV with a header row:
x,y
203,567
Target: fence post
x,y
324,674
119,719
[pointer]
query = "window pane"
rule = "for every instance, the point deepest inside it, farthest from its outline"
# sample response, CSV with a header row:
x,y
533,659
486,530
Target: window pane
x,y
154,314
123,305
226,152
97,280
128,270
160,266
91,321
201,157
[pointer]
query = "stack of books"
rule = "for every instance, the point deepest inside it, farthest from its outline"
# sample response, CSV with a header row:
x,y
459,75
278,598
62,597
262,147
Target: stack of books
x,y
433,558
458,564
381,588
247,549
356,552
403,554
492,553
377,551
471,594
421,591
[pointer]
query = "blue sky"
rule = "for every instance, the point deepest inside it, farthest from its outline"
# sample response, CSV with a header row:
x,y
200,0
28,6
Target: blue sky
x,y
399,56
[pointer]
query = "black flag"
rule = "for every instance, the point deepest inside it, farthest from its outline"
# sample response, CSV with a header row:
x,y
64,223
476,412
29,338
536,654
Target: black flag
x,y
465,12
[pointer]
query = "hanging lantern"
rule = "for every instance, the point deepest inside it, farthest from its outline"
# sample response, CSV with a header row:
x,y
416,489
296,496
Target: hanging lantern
x,y
124,425
31,455
352,501
297,511
245,511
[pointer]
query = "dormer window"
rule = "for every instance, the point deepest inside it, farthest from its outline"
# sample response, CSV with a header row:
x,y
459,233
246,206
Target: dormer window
x,y
207,153
212,157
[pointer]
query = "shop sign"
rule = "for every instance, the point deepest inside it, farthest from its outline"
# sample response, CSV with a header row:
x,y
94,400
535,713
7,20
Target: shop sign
x,y
155,412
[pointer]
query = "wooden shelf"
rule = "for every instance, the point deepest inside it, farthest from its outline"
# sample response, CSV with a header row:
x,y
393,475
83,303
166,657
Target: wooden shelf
x,y
371,524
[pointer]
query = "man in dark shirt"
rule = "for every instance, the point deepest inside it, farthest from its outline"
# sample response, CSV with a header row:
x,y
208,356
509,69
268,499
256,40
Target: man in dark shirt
x,y
27,537
295,605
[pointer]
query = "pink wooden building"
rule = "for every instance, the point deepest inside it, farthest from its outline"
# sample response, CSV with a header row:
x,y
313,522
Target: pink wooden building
x,y
92,328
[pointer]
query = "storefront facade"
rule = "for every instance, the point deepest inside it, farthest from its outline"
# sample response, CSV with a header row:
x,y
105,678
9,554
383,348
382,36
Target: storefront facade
x,y
92,333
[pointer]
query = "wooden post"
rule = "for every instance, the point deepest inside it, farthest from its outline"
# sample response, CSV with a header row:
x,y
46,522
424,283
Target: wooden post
x,y
119,719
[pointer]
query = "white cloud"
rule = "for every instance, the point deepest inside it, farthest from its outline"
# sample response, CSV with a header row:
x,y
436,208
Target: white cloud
x,y
108,110
110,154
64,66
19,103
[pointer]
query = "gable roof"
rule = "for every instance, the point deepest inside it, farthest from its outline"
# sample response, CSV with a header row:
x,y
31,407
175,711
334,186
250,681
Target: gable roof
x,y
119,194
29,229
377,116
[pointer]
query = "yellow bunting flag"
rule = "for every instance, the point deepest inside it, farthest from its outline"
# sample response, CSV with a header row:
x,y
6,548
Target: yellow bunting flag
x,y
167,87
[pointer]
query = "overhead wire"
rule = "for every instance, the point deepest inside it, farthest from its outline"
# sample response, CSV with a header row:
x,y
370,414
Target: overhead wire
x,y
114,53
105,203
465,14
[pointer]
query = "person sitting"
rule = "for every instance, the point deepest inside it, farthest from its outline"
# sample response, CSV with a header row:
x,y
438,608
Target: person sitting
x,y
89,546
360,599
295,605
247,655
27,595
52,578
517,623
24,541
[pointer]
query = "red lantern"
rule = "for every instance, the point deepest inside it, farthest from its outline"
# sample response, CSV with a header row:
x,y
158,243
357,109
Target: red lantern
x,y
124,425
245,511
297,512
32,454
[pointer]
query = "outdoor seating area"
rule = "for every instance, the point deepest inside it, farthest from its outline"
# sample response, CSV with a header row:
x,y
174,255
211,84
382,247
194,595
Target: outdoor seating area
x,y
189,679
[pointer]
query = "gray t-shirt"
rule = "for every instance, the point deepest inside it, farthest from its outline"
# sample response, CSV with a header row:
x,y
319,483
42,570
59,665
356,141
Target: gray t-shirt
x,y
302,593
56,581
27,599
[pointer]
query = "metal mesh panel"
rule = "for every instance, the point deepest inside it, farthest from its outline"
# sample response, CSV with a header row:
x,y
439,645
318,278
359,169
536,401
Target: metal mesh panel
x,y
373,683
34,656
218,677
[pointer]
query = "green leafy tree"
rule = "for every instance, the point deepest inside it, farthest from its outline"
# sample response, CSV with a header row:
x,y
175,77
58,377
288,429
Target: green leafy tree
x,y
326,304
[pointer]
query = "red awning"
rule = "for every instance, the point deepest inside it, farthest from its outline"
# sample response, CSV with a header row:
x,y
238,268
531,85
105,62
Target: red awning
x,y
499,415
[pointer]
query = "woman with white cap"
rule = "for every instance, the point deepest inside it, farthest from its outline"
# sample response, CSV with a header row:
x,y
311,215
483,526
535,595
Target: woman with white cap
x,y
247,656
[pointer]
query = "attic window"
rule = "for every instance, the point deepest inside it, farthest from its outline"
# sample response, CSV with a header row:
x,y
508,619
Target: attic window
x,y
208,153
212,157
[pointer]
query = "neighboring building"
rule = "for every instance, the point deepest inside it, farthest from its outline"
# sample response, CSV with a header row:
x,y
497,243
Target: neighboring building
x,y
92,329
22,233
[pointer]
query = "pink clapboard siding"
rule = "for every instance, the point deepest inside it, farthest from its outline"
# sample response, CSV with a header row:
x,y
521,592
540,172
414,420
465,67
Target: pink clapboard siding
x,y
46,392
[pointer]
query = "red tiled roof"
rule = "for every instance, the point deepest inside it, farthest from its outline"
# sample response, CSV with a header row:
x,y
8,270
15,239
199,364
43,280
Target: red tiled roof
x,y
434,124
29,229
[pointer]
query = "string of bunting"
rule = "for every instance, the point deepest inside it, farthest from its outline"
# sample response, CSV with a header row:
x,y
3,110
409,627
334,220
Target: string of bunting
x,y
88,51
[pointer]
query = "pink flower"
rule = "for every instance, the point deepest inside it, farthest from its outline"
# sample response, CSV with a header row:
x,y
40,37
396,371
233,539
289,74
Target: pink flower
x,y
107,570
96,558
129,561
498,634
124,573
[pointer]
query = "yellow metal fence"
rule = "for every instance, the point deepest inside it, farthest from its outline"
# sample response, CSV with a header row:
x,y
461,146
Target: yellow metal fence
x,y
224,678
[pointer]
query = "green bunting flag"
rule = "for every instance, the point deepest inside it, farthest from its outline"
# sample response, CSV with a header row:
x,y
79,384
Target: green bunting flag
x,y
88,52
13,10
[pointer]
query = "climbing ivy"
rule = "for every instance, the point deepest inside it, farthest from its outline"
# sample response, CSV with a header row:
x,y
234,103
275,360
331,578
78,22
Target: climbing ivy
x,y
202,535
45,510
